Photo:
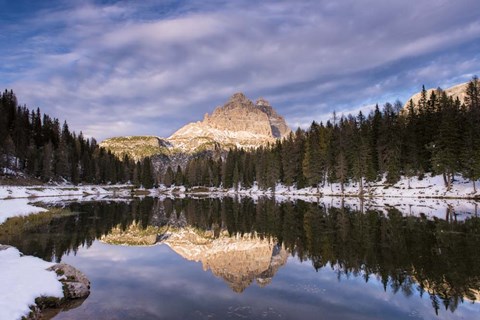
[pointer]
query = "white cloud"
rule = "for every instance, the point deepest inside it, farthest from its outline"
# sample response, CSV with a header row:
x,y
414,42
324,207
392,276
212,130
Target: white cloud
x,y
101,65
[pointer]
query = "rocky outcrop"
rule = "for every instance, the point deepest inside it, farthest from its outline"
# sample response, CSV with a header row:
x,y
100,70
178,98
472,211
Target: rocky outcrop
x,y
76,288
75,283
238,123
239,114
277,122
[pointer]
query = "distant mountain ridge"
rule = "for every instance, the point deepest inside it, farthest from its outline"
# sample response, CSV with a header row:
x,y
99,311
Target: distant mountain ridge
x,y
238,123
457,91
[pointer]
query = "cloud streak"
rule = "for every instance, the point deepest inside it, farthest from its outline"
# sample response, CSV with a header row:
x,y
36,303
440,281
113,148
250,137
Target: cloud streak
x,y
125,68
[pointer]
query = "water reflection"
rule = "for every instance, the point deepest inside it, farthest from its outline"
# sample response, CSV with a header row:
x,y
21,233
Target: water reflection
x,y
243,241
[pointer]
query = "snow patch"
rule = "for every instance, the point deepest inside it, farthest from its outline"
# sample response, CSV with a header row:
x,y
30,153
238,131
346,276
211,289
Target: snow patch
x,y
24,278
17,208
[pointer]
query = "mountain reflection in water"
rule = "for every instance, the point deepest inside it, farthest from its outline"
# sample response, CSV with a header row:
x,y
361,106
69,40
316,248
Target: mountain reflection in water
x,y
244,241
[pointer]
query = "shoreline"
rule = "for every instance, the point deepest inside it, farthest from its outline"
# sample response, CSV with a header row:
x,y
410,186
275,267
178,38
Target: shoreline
x,y
428,188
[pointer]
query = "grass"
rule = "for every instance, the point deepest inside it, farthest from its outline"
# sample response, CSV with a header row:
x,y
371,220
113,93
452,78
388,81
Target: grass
x,y
136,147
16,225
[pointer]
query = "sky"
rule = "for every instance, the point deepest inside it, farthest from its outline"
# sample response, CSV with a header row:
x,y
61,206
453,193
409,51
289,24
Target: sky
x,y
113,68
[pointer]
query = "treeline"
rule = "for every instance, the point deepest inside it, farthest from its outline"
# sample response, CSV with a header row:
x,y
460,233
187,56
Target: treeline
x,y
438,135
36,144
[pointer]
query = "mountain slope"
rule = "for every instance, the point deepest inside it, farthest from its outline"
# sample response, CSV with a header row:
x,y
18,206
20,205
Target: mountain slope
x,y
136,147
239,123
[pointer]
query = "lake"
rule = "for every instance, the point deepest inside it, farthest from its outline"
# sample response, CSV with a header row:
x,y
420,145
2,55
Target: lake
x,y
244,258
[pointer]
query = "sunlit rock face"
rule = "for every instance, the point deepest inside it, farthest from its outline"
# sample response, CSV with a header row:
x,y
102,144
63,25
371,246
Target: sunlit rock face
x,y
239,261
239,122
458,91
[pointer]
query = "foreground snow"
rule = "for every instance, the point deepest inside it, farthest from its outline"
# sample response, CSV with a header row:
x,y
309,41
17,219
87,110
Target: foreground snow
x,y
22,279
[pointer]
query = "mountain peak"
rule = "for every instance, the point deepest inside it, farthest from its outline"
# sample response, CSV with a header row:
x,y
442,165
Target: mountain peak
x,y
238,97
239,122
237,100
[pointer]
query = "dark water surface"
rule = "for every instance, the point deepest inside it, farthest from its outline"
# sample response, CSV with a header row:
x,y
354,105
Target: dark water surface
x,y
291,260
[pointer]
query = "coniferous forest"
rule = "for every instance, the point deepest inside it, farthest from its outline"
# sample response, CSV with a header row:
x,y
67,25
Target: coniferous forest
x,y
437,135
36,144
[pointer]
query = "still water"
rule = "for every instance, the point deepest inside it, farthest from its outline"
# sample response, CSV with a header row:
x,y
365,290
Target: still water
x,y
260,259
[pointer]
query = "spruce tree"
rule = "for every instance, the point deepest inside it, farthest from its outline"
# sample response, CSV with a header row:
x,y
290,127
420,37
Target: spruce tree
x,y
147,173
179,180
169,177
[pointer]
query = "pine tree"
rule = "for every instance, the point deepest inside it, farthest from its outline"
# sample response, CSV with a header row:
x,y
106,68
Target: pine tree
x,y
471,134
8,153
169,177
62,165
147,173
179,180
47,162
315,155
445,147
410,152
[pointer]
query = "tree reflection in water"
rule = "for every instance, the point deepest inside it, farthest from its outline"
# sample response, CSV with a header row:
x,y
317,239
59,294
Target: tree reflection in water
x,y
406,253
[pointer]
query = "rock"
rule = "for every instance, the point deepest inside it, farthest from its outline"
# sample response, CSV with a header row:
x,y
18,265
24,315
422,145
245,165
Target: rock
x,y
239,122
75,283
76,288
277,123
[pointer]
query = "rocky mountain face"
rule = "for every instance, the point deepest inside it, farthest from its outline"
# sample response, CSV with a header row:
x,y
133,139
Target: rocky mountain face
x,y
238,123
457,91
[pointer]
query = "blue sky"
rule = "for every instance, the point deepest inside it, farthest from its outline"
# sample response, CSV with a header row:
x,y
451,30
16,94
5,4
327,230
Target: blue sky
x,y
148,67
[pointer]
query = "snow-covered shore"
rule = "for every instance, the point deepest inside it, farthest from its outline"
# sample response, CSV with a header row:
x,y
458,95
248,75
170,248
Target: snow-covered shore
x,y
23,279
15,192
416,197
428,187
16,201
